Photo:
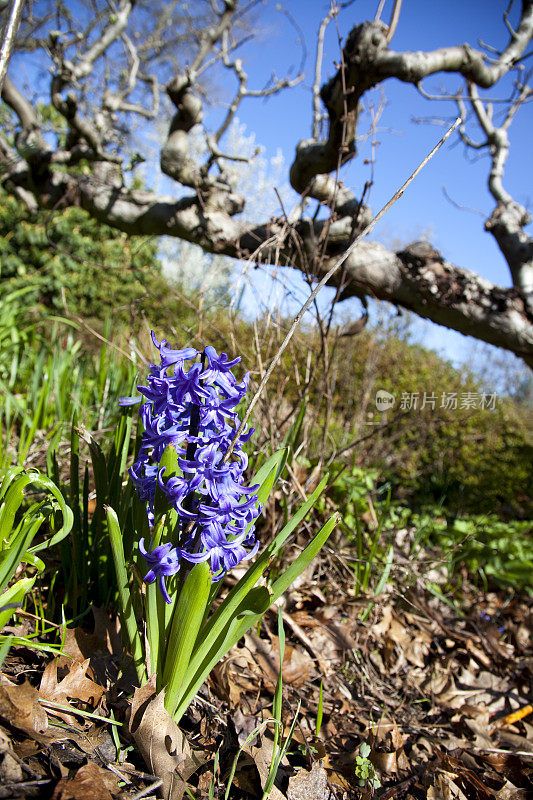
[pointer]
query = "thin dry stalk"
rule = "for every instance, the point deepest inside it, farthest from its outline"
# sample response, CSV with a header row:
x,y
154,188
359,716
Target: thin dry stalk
x,y
296,321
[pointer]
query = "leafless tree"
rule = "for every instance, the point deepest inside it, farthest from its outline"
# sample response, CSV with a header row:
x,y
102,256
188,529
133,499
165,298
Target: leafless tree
x,y
107,65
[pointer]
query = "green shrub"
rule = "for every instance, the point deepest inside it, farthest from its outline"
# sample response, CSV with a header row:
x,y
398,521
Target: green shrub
x,y
472,459
71,260
493,550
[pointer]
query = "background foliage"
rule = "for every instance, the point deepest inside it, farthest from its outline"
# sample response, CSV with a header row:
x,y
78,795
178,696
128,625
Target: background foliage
x,y
75,264
464,466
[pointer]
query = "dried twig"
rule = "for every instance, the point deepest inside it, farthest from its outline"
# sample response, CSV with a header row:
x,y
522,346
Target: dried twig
x,y
297,319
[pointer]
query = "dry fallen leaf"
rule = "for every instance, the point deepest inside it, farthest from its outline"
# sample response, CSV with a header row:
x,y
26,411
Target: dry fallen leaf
x,y
462,776
444,788
89,783
19,705
236,675
10,769
163,746
309,785
380,628
387,743
297,664
262,755
74,686
103,641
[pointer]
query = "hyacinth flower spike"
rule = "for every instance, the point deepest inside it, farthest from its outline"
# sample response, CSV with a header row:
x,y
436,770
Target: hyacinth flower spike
x,y
190,406
169,356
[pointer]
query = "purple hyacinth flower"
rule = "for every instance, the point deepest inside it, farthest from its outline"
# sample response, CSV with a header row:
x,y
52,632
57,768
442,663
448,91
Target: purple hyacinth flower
x,y
163,561
219,370
170,357
178,489
187,385
218,480
221,552
144,477
228,509
129,401
159,431
191,406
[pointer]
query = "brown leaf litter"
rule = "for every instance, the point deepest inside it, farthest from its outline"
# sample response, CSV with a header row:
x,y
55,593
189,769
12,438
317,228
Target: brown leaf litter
x,y
442,698
162,744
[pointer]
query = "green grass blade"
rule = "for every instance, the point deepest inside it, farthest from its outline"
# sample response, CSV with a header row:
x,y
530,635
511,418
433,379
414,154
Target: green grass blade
x,y
153,630
12,496
320,709
304,559
43,396
226,624
278,694
226,609
15,594
281,753
125,601
99,467
47,485
156,615
277,461
382,583
187,618
208,653
277,708
11,558
5,644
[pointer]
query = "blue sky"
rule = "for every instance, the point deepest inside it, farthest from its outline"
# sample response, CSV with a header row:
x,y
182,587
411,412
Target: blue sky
x,y
280,122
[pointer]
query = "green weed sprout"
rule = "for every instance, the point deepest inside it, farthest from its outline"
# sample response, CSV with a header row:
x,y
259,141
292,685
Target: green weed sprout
x,y
17,535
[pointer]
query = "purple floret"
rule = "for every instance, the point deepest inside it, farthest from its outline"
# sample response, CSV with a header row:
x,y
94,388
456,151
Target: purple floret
x,y
163,561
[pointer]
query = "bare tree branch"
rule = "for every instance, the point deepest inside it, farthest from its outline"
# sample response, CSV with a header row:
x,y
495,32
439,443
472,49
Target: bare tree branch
x,y
367,61
509,218
317,109
413,67
111,33
417,278
22,107
100,105
394,20
12,12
